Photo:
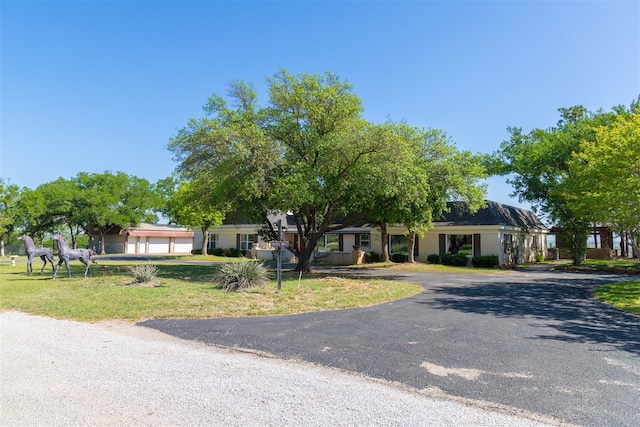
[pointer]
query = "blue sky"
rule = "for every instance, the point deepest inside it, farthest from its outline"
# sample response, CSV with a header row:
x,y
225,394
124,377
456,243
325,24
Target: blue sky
x,y
103,85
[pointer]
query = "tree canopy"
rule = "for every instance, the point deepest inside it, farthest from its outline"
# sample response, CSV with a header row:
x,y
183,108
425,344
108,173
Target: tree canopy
x,y
606,176
309,153
541,168
87,202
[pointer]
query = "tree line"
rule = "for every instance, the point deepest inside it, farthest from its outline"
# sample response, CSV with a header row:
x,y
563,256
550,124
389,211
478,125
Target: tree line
x,y
309,152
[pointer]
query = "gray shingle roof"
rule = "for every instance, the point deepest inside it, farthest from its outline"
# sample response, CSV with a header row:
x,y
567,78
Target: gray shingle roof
x,y
493,214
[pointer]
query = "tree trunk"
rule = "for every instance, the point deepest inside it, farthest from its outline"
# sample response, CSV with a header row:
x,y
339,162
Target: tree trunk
x,y
205,240
2,246
412,246
74,238
385,242
306,252
102,242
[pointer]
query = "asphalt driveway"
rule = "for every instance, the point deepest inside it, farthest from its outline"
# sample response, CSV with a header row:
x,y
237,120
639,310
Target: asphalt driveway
x,y
534,340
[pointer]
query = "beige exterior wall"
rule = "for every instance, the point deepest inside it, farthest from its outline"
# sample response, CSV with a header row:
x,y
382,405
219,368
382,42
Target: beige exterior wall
x,y
492,240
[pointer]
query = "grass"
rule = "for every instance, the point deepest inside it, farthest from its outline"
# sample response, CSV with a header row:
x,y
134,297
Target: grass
x,y
624,295
180,291
613,265
420,266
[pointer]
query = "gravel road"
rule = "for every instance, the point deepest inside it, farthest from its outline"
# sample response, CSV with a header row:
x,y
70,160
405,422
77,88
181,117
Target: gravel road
x,y
68,373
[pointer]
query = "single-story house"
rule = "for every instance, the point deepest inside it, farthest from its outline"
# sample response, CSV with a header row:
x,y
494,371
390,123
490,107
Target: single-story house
x,y
513,234
146,239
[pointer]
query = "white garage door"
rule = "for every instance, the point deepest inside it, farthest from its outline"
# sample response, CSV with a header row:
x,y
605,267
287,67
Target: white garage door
x,y
131,245
183,245
158,245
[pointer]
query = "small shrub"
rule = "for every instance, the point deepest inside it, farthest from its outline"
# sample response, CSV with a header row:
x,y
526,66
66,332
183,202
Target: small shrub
x,y
399,257
485,261
196,252
234,276
371,257
539,255
433,259
231,252
143,273
460,260
215,251
446,259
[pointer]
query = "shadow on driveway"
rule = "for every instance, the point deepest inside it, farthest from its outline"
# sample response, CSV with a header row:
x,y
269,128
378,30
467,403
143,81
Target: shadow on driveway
x,y
565,305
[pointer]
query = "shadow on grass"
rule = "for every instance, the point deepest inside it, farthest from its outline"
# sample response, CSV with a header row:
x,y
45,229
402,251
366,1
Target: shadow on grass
x,y
567,306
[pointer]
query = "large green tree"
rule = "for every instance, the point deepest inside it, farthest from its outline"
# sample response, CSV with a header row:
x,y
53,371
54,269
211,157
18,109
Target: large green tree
x,y
538,167
9,194
308,153
192,204
606,176
426,172
110,200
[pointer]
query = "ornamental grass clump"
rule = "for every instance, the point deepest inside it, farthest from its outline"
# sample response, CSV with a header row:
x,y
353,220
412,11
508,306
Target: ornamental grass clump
x,y
234,276
143,273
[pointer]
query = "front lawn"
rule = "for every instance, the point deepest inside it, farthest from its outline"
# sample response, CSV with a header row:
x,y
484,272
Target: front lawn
x,y
182,291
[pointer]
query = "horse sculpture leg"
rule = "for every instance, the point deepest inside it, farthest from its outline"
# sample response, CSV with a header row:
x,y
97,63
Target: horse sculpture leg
x,y
29,261
86,270
66,264
43,258
51,259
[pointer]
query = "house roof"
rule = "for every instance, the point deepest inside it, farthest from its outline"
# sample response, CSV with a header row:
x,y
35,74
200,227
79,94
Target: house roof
x,y
158,230
493,213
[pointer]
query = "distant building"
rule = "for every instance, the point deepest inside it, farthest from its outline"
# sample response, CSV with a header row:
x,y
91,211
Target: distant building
x,y
146,239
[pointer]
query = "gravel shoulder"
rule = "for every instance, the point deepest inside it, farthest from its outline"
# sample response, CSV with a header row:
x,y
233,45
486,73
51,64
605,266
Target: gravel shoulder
x,y
55,372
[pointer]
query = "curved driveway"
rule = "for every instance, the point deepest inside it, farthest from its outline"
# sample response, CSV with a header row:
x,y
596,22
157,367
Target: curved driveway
x,y
533,340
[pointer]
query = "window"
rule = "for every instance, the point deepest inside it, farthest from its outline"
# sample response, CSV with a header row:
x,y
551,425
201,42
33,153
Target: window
x,y
329,243
508,243
365,241
460,244
398,243
213,241
247,241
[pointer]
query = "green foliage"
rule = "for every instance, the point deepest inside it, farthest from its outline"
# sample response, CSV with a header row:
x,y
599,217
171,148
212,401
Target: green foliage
x,y
485,261
9,194
399,257
310,152
371,256
433,258
459,260
143,273
231,252
191,203
234,276
216,251
539,256
540,166
605,174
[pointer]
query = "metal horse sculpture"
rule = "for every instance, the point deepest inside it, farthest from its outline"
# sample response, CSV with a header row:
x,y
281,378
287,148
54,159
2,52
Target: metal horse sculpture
x,y
65,254
32,252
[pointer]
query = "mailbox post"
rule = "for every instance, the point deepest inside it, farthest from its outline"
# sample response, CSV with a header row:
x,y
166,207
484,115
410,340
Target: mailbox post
x,y
279,244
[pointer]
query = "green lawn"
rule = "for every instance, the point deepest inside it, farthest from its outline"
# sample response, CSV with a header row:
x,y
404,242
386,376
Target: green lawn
x,y
624,295
182,291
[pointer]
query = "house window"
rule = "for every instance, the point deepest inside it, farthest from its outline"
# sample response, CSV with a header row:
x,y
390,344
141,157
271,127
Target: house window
x,y
246,241
398,243
213,241
365,241
460,244
508,243
330,243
